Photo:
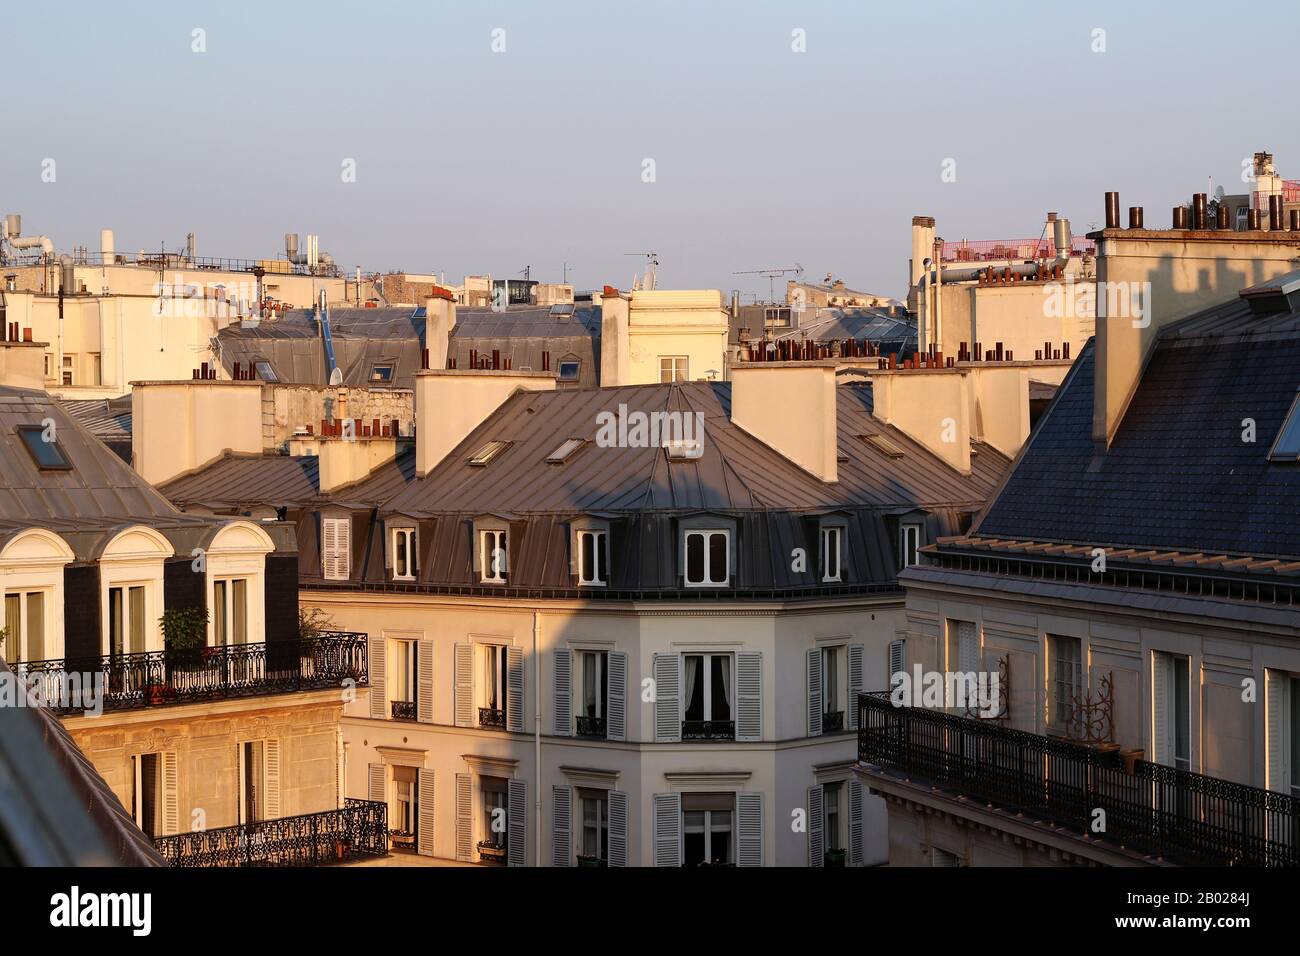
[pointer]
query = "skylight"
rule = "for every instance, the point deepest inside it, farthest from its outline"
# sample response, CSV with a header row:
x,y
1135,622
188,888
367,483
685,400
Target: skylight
x,y
266,372
1287,445
488,452
565,451
46,452
684,449
381,373
569,370
883,444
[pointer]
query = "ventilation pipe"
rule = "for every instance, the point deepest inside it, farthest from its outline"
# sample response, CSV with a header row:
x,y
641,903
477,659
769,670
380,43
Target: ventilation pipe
x,y
106,252
13,235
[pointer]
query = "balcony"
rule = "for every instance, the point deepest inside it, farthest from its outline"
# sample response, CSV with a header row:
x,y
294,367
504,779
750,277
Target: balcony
x,y
358,831
492,717
161,678
1150,809
833,722
708,730
403,709
591,727
492,853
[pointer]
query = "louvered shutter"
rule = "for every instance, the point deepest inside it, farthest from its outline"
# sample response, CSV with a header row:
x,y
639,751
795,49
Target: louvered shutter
x,y
561,834
517,823
749,819
857,682
668,829
616,696
814,691
272,779
897,659
424,694
171,810
343,562
857,818
617,828
464,817
515,689
563,658
1160,708
427,818
1277,714
749,696
968,647
464,685
329,546
378,784
816,839
668,682
377,665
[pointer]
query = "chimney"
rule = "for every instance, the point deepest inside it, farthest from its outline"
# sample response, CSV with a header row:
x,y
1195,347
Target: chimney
x,y
933,407
451,403
22,364
440,322
179,426
343,461
791,407
615,344
922,249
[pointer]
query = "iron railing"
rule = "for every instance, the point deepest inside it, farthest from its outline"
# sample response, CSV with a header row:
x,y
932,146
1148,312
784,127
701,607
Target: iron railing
x,y
1179,816
591,727
493,717
156,678
832,722
708,730
357,831
403,710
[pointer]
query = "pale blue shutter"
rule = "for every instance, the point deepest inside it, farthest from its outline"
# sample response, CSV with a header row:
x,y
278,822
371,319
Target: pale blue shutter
x,y
668,682
562,659
816,839
749,841
668,829
617,828
616,719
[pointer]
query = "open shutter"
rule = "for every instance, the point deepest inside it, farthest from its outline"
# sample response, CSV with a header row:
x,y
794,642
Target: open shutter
x,y
272,779
561,834
171,810
749,841
814,691
517,822
668,829
464,685
424,690
617,828
816,839
343,561
897,659
378,783
377,667
668,682
1277,714
515,690
427,819
563,658
616,696
749,696
329,547
857,813
1160,708
857,682
464,818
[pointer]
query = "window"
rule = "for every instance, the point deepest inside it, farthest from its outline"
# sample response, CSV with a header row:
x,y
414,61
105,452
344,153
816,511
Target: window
x,y
126,620
146,793
593,559
940,857
381,373
1286,447
1064,661
404,809
492,693
569,370
403,661
96,369
707,829
831,794
883,444
493,557
252,775
496,821
336,548
897,658
672,368
595,693
24,626
1171,709
404,555
266,372
832,549
44,448
832,705
778,316
909,540
565,451
68,363
486,453
595,826
708,696
230,611
708,556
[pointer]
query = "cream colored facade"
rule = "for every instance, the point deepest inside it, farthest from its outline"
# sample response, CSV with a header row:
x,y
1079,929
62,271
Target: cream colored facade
x,y
659,335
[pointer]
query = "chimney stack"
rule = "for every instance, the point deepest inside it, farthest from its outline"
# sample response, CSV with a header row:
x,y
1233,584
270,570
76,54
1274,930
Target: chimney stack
x,y
791,407
439,323
615,338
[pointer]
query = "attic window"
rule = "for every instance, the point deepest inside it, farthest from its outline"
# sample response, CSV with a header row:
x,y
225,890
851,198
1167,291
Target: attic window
x,y
565,309
684,449
569,371
883,444
266,372
488,452
381,373
565,451
46,452
1287,445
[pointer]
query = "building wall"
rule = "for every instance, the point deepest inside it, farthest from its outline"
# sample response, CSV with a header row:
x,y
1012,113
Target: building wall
x,y
676,323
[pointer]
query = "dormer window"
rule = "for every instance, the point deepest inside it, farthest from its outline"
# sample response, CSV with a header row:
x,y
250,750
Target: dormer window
x,y
1287,445
909,542
832,553
493,556
44,448
404,554
707,558
593,558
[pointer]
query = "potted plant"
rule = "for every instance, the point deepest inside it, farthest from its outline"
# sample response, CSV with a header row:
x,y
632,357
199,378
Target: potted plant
x,y
185,632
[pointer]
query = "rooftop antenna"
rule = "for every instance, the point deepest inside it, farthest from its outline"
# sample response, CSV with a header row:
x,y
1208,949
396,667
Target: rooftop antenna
x,y
565,268
772,276
652,262
525,272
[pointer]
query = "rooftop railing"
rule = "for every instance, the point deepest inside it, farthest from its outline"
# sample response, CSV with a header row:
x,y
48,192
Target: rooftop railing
x,y
1016,250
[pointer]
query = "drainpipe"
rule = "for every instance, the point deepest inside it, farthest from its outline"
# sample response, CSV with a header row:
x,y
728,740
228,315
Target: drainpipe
x,y
937,331
537,737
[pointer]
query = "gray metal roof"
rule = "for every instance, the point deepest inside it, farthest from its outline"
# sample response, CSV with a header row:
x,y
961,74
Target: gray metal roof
x,y
108,419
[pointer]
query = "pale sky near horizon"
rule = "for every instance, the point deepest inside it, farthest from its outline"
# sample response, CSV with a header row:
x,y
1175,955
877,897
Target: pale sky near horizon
x,y
471,161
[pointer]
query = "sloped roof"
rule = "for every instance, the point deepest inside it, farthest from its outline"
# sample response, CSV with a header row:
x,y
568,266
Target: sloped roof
x,y
108,419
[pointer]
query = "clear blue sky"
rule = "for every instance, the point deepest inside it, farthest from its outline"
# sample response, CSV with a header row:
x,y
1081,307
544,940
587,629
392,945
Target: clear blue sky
x,y
472,161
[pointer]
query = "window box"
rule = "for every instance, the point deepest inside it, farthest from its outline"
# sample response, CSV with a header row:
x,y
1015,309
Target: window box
x,y
489,852
708,730
833,722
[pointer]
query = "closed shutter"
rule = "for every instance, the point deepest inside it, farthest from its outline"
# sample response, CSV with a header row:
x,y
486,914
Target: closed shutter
x,y
968,647
329,546
272,779
515,690
857,681
464,817
1277,714
336,548
816,839
517,823
617,828
897,659
749,696
749,840
1160,708
563,658
377,665
857,814
668,829
424,695
428,819
561,834
171,810
464,685
616,679
668,682
378,783
814,691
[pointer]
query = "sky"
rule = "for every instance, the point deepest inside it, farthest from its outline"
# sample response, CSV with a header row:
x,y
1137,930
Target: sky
x,y
481,137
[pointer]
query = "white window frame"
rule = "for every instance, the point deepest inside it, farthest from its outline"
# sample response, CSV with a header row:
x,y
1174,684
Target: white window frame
x,y
229,610
707,569
137,792
598,538
840,788
835,683
492,571
152,641
602,825
403,661
24,636
708,830
601,658
675,362
707,668
243,780
827,533
483,684
914,529
411,538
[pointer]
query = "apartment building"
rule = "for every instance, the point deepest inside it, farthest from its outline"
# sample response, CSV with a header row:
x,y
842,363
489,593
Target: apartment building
x,y
1134,584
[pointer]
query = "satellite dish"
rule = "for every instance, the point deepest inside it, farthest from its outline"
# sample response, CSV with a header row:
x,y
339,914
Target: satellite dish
x,y
336,378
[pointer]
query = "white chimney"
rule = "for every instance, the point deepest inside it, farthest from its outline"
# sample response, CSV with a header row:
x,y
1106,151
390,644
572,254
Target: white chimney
x,y
451,403
791,407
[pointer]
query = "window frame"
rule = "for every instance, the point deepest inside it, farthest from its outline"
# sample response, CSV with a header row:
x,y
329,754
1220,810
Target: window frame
x,y
706,703
36,431
904,527
24,594
707,578
229,579
344,555
501,546
599,539
577,370
674,361
826,533
1057,724
411,536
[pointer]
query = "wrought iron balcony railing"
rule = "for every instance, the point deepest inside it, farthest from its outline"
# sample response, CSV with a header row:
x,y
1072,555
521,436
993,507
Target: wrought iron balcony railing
x,y
357,831
403,710
708,730
591,727
157,678
1150,808
492,717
